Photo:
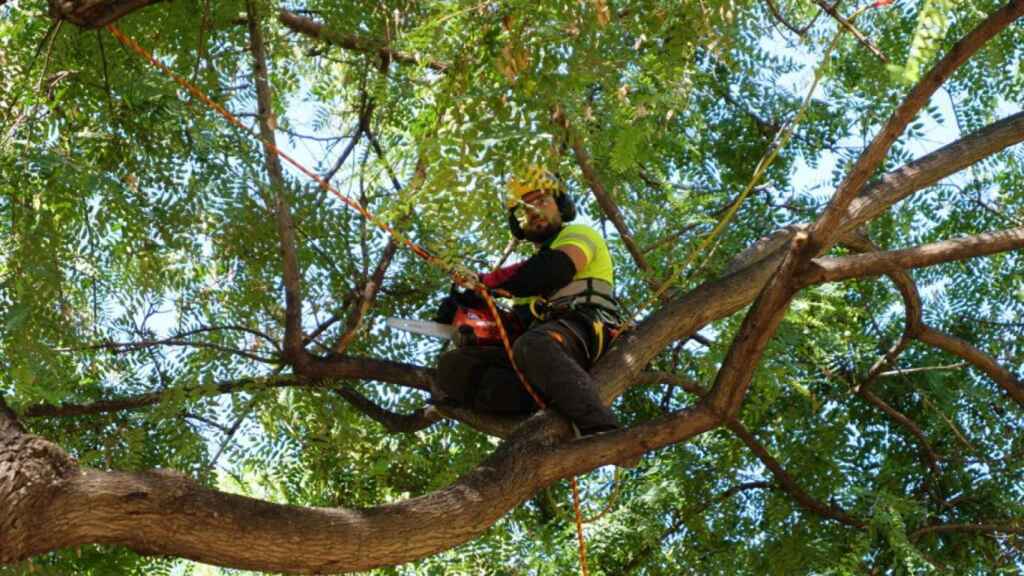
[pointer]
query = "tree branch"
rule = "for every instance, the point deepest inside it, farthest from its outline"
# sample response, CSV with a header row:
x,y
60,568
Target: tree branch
x,y
356,368
826,227
1011,527
782,478
621,367
9,424
323,371
905,371
777,14
987,364
152,398
393,422
604,200
373,284
831,269
831,11
317,31
758,327
686,516
366,298
931,457
90,14
173,341
294,352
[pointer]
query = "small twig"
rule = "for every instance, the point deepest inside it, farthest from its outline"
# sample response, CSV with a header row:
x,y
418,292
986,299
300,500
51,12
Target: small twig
x,y
49,51
120,347
777,14
234,428
853,30
902,371
356,137
206,421
508,252
106,75
301,136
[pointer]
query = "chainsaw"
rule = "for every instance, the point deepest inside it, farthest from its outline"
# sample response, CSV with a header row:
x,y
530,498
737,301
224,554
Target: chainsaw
x,y
465,319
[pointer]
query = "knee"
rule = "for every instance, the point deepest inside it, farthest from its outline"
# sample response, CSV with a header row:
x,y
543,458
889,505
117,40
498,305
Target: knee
x,y
447,361
445,380
529,344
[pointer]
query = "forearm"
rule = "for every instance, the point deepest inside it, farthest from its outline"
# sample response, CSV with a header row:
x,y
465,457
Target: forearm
x,y
544,273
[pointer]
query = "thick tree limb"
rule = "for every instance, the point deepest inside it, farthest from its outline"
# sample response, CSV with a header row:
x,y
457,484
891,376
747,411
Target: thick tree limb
x,y
901,183
825,229
32,471
165,513
91,14
757,329
927,170
9,424
356,368
878,263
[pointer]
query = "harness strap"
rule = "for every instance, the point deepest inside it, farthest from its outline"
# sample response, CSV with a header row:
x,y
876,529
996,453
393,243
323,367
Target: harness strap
x,y
584,292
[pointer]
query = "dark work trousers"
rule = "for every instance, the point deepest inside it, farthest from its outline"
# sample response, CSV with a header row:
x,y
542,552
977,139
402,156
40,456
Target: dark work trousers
x,y
553,356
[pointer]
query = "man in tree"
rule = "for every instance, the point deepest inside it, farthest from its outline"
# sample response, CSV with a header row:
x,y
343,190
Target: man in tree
x,y
564,293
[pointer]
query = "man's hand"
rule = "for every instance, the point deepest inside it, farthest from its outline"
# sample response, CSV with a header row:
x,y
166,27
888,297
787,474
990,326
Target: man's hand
x,y
466,278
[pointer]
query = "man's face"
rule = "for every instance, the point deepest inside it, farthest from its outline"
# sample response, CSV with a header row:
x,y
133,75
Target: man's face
x,y
542,217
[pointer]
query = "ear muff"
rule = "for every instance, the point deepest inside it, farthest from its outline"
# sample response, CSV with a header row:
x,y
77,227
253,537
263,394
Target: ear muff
x,y
566,207
514,227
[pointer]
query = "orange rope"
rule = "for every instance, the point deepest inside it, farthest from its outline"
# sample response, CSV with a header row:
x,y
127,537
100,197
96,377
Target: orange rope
x,y
579,527
130,43
231,118
508,348
540,404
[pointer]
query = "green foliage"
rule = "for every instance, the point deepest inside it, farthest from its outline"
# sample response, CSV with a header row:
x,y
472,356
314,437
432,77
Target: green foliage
x,y
932,23
140,255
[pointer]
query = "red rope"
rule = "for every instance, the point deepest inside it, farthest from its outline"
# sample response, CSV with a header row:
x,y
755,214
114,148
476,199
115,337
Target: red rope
x,y
130,43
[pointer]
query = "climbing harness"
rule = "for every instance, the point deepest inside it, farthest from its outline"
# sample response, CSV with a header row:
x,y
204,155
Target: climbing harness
x,y
457,273
586,291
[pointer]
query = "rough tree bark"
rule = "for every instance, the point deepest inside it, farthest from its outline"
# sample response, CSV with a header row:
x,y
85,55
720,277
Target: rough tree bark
x,y
47,502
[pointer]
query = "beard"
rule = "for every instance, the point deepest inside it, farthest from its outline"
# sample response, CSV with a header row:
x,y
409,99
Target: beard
x,y
541,231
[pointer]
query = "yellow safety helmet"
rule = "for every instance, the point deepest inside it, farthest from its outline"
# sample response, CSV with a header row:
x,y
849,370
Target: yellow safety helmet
x,y
534,177
529,180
